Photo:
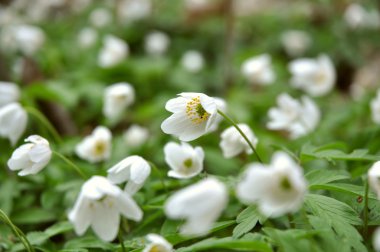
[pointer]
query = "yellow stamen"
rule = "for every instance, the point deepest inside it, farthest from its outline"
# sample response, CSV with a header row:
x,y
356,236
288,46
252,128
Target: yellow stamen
x,y
195,111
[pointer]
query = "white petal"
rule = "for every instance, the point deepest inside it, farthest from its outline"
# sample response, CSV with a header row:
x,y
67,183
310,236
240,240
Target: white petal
x,y
106,220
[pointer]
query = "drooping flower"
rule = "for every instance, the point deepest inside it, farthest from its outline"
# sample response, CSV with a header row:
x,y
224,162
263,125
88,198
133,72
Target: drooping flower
x,y
258,70
87,37
374,178
9,92
194,115
95,147
233,143
200,205
192,61
156,43
117,98
99,205
278,188
183,160
157,243
314,76
32,157
113,52
13,120
136,135
375,108
295,42
297,118
133,169
357,17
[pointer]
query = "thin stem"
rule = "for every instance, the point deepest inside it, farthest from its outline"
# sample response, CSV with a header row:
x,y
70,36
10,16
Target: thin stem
x,y
159,174
241,133
41,117
365,213
120,237
291,221
70,163
17,231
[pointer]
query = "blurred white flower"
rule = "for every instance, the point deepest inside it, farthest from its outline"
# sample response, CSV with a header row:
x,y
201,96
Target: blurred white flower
x,y
117,98
13,120
314,76
192,61
87,37
376,239
233,143
200,205
131,10
183,160
221,105
374,178
31,157
357,17
101,17
136,135
295,42
114,51
27,38
194,115
156,43
375,108
9,92
293,116
157,243
99,205
258,70
196,4
133,169
95,147
277,189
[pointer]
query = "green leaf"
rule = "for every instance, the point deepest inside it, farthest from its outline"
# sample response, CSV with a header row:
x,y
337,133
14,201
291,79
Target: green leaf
x,y
88,242
342,187
247,220
324,176
331,209
212,244
33,216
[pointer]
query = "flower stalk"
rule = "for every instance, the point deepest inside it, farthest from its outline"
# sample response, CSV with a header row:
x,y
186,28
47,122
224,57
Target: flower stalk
x,y
71,164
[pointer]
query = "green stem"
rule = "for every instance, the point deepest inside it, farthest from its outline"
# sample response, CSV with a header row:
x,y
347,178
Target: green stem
x,y
241,133
70,163
291,221
41,117
120,236
159,174
365,213
17,231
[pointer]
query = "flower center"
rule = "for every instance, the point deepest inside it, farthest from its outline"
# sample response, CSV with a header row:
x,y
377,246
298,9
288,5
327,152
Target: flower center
x,y
194,110
188,163
285,184
157,248
99,148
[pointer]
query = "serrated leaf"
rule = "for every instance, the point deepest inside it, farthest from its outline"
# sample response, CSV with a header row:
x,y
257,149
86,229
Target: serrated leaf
x,y
331,209
212,244
324,176
247,220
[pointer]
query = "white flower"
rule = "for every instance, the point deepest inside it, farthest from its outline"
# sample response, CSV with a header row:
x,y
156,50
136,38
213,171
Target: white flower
x,y
100,17
87,37
192,61
375,108
194,114
233,143
136,135
131,10
200,204
196,4
133,169
157,243
221,105
156,43
95,147
374,178
28,38
99,205
258,70
32,157
113,52
376,240
314,76
117,98
184,160
295,42
13,120
9,92
277,189
293,116
357,17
